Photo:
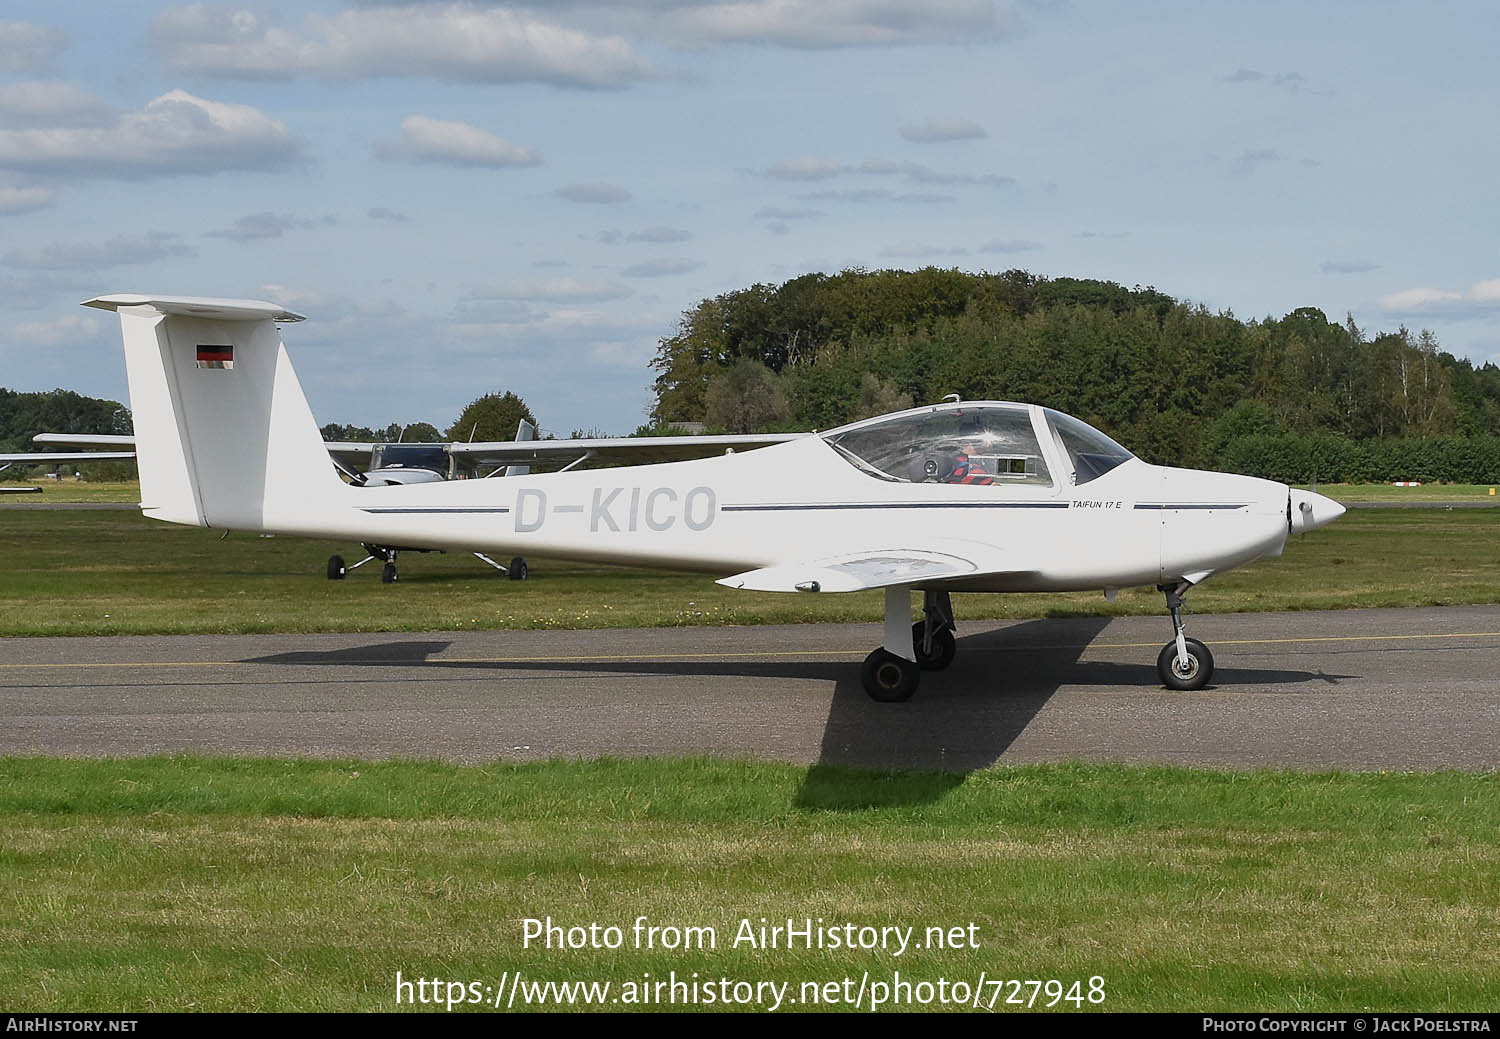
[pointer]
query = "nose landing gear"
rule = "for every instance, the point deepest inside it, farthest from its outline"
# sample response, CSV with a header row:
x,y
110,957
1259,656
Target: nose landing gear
x,y
1184,664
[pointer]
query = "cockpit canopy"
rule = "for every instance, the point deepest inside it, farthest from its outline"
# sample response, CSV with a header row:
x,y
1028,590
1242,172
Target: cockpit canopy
x,y
410,456
980,444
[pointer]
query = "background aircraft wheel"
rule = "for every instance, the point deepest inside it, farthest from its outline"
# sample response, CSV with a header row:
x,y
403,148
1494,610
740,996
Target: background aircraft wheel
x,y
943,648
336,568
1195,676
388,574
888,678
517,569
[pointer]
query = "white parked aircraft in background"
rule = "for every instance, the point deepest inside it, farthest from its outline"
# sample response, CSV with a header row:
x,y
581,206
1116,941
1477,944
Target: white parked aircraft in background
x,y
968,496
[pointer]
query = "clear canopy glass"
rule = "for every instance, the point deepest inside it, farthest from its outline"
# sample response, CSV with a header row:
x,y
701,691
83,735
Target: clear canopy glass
x,y
1091,453
985,445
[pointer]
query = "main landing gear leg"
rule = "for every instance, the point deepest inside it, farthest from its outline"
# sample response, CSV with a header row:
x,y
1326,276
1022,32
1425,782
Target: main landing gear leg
x,y
932,636
1183,663
891,673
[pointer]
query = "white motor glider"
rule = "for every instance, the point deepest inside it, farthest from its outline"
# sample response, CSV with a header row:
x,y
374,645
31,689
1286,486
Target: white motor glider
x,y
956,497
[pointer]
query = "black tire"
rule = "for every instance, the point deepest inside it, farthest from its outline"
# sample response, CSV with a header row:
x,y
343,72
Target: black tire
x,y
944,648
889,678
336,568
517,569
1201,663
388,574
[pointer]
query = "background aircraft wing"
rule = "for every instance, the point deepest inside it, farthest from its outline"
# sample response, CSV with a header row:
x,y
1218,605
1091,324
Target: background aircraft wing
x,y
520,453
341,449
98,439
882,568
613,450
54,457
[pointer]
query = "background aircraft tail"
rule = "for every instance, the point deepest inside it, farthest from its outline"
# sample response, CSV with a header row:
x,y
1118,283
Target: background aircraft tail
x,y
224,434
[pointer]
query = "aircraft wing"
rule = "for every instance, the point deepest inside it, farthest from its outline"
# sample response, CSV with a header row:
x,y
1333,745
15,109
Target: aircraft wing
x,y
337,448
882,568
606,450
615,450
100,439
50,457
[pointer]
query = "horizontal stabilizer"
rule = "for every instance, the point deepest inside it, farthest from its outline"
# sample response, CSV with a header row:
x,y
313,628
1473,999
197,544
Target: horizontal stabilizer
x,y
205,307
856,572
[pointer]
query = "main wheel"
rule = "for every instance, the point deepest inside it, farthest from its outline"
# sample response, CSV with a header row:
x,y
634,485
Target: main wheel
x,y
1195,675
336,568
889,678
388,574
517,569
943,647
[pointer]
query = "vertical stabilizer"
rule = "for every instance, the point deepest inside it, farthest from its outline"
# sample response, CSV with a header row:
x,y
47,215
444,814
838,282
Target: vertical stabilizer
x,y
224,434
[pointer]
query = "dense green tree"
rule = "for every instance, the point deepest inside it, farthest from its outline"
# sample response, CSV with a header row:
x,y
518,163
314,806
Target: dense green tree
x,y
1170,379
495,416
745,397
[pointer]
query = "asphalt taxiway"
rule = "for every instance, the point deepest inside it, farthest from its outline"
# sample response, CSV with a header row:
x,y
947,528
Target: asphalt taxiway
x,y
1363,689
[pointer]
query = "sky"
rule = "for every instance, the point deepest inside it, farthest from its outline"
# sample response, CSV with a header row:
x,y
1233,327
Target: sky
x,y
474,197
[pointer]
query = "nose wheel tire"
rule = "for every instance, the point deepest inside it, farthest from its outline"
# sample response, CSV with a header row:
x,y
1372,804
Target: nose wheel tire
x,y
388,574
518,569
336,568
944,647
889,678
1193,674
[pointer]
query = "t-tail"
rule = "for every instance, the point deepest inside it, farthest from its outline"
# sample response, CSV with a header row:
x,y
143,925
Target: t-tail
x,y
224,434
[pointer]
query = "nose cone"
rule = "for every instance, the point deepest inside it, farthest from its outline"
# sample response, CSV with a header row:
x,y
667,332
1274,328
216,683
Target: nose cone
x,y
1309,511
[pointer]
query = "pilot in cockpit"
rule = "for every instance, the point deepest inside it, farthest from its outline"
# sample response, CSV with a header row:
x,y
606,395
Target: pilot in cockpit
x,y
969,468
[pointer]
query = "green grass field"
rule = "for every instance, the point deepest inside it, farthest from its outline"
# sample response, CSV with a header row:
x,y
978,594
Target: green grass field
x,y
1443,493
114,572
166,884
64,491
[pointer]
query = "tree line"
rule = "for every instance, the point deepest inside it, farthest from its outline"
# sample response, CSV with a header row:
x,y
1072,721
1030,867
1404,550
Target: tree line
x,y
1291,398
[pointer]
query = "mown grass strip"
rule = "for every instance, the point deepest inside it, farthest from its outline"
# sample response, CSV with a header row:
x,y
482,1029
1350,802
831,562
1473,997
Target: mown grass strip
x,y
111,573
168,883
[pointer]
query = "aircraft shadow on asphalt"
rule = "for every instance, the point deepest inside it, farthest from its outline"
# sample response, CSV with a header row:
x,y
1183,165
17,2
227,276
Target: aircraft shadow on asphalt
x,y
961,720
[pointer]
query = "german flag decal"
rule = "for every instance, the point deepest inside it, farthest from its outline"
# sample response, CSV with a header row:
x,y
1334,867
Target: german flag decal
x,y
215,357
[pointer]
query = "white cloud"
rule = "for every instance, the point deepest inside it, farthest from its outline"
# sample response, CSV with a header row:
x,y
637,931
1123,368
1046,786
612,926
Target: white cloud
x,y
14,199
778,213
176,133
817,24
27,49
813,168
933,131
453,144
455,42
73,328
661,268
809,168
392,215
878,195
1483,297
51,103
1009,245
912,250
554,290
596,193
1250,161
257,226
119,251
659,235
